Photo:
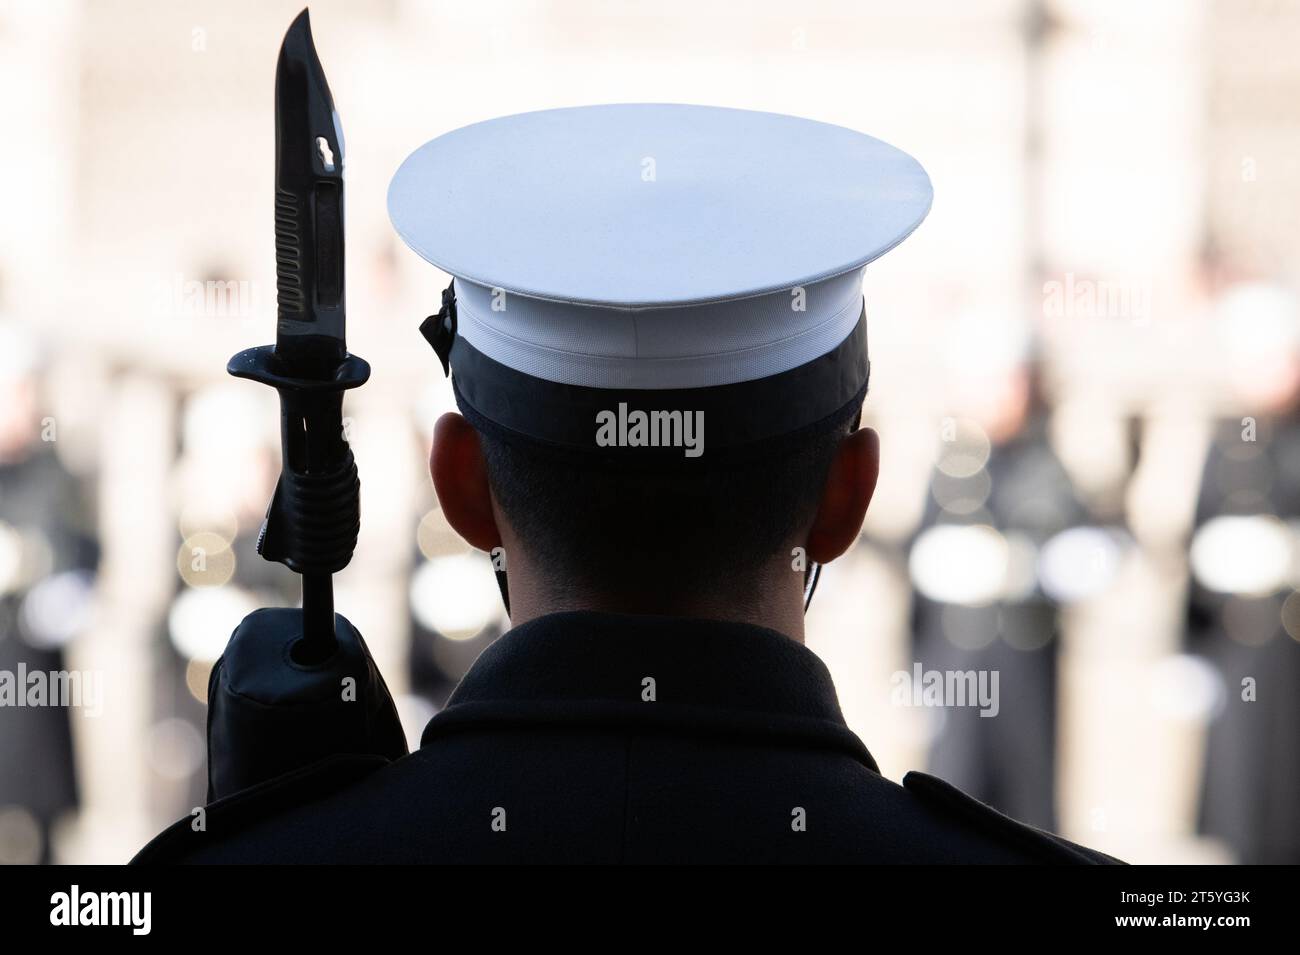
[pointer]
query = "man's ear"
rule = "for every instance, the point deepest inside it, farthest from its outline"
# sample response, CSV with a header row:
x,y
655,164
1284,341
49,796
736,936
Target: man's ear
x,y
848,490
459,474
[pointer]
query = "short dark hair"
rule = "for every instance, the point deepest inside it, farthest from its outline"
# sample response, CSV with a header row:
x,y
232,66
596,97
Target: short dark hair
x,y
599,528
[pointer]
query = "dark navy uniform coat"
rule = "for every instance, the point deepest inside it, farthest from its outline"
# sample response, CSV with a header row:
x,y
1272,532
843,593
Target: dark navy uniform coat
x,y
583,737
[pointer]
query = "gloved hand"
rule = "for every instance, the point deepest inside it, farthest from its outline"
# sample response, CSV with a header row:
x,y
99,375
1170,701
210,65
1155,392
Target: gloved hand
x,y
268,714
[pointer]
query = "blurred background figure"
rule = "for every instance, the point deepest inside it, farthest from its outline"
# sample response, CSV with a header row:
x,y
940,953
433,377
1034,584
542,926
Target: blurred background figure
x,y
1243,609
47,562
988,582
223,478
1085,378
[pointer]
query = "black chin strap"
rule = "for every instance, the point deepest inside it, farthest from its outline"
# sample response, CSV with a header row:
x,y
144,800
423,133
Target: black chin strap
x,y
810,578
504,588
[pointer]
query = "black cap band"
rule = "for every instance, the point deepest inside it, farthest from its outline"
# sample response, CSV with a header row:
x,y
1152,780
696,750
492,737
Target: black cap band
x,y
728,420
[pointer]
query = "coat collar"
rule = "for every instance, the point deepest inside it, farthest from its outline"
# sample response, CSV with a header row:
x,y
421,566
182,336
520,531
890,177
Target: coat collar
x,y
708,677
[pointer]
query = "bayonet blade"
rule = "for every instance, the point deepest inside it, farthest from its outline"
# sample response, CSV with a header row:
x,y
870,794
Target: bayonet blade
x,y
311,327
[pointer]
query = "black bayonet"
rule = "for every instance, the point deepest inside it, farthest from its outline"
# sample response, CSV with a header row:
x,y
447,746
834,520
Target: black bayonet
x,y
308,206
313,521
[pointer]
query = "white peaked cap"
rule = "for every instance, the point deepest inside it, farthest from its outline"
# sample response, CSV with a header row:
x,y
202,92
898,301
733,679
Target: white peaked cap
x,y
655,247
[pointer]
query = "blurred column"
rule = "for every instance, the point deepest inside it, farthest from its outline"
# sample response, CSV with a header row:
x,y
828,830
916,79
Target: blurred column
x,y
1122,194
135,581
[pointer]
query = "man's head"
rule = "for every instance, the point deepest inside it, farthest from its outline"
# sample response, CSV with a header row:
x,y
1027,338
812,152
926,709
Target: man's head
x,y
718,540
689,265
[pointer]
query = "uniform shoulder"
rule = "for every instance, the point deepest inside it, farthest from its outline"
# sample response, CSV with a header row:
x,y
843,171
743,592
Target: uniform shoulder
x,y
190,838
1036,845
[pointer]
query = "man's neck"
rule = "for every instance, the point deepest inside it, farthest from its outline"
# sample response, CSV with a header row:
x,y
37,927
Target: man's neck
x,y
777,607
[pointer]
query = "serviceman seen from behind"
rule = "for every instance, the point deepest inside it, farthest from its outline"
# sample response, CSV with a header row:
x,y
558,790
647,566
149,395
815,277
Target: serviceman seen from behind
x,y
658,344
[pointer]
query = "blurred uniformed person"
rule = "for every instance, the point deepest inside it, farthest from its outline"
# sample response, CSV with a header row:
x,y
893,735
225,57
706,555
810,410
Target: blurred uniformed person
x,y
997,475
47,561
1243,600
657,343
